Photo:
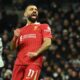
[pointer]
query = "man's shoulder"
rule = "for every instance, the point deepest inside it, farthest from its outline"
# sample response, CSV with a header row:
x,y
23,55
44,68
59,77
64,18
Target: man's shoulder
x,y
44,25
40,24
22,28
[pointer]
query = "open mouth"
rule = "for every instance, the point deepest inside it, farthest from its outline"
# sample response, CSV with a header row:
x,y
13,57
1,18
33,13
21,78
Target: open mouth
x,y
34,15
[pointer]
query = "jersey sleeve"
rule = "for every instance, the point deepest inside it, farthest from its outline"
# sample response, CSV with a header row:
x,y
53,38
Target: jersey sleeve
x,y
46,31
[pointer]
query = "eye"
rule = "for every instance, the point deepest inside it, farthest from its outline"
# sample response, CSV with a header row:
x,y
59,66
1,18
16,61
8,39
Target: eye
x,y
31,9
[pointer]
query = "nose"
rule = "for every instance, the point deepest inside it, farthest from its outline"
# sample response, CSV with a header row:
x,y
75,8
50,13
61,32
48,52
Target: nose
x,y
34,11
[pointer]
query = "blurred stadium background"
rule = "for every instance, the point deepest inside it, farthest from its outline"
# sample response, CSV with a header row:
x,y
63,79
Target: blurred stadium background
x,y
62,59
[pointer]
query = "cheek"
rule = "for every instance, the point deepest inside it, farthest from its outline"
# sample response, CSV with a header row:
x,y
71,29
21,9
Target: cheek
x,y
37,13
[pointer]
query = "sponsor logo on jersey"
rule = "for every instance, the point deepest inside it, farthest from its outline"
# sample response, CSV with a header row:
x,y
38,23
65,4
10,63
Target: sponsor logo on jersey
x,y
22,37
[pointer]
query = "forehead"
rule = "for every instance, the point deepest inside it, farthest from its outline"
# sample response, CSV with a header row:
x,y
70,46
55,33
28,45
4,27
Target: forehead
x,y
31,6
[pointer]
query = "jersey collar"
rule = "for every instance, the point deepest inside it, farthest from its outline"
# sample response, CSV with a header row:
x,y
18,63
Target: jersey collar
x,y
33,23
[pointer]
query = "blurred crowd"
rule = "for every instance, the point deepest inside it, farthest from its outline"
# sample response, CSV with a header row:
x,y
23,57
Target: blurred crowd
x,y
62,59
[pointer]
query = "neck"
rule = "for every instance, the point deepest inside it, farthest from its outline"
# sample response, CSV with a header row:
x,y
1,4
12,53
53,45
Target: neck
x,y
29,22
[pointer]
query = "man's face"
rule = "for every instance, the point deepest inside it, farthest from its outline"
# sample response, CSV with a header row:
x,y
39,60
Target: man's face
x,y
31,13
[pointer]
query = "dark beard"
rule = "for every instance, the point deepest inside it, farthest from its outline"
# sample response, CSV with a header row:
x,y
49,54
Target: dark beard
x,y
32,19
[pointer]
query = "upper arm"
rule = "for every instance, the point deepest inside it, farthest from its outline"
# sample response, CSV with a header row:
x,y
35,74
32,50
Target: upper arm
x,y
17,43
47,41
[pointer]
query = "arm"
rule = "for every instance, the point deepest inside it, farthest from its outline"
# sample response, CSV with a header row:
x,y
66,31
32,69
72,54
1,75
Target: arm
x,y
14,41
45,45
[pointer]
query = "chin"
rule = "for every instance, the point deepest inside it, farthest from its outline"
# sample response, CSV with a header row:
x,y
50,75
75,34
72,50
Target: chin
x,y
33,19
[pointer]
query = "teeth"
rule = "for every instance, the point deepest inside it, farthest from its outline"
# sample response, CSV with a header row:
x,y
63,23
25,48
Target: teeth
x,y
33,15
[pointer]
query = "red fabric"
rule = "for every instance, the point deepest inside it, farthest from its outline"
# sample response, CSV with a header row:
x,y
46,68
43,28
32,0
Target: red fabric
x,y
30,72
30,40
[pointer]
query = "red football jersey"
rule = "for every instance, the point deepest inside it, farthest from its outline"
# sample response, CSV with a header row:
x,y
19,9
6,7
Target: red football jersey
x,y
30,40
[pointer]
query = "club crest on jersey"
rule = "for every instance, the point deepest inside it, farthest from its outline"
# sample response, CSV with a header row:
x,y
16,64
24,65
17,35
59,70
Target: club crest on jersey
x,y
35,27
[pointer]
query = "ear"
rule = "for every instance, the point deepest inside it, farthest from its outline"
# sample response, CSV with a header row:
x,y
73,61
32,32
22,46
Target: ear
x,y
25,12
